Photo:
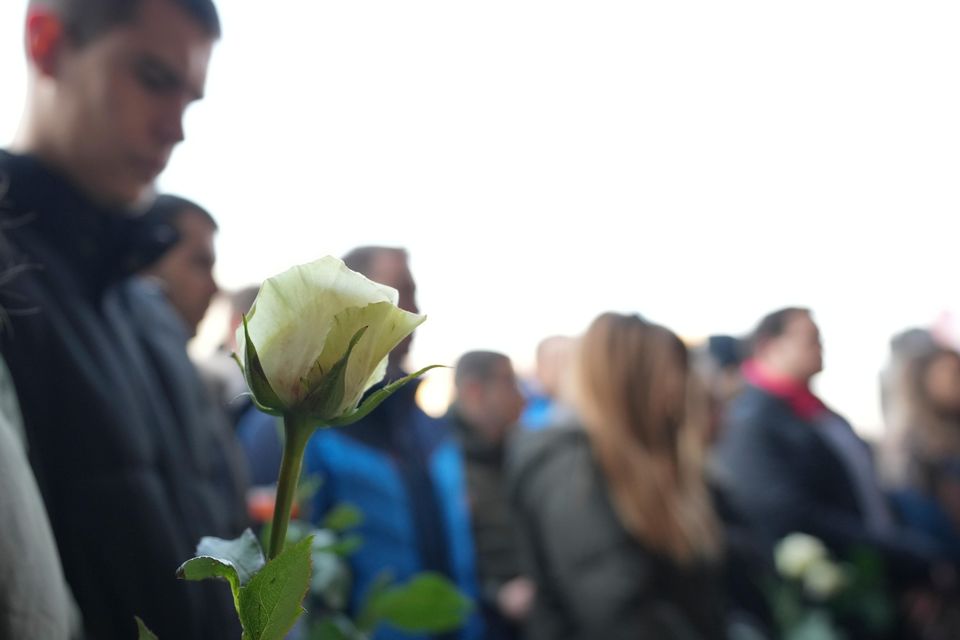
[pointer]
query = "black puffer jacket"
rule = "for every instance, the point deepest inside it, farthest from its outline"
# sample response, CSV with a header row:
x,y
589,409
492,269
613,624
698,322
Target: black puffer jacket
x,y
132,472
780,473
594,580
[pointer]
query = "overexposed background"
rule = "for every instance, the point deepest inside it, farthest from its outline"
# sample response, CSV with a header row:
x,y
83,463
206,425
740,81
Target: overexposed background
x,y
543,161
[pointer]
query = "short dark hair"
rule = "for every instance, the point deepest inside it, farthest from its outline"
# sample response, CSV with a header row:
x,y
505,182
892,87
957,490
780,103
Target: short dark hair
x,y
361,259
773,326
477,365
726,351
85,20
167,208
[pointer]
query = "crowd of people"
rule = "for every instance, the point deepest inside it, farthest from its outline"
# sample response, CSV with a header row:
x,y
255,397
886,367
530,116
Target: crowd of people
x,y
640,492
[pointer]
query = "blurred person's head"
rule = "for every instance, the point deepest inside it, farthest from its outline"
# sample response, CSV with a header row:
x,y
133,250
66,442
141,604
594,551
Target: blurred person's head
x,y
110,81
906,348
725,351
923,419
936,380
241,301
912,343
646,417
724,355
487,394
914,421
787,343
389,266
896,385
719,366
185,271
554,359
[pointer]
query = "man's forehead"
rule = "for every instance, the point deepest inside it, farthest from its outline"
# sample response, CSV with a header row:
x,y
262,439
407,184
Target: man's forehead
x,y
391,268
195,224
503,367
168,34
802,327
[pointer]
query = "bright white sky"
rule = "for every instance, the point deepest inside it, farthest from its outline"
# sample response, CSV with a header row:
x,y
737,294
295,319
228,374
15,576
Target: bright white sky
x,y
699,162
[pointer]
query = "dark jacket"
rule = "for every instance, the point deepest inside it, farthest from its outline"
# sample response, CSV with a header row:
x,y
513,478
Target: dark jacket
x,y
131,473
779,472
594,580
491,521
491,517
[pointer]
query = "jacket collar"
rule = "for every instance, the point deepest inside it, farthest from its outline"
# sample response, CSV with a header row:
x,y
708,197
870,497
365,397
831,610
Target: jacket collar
x,y
103,245
796,394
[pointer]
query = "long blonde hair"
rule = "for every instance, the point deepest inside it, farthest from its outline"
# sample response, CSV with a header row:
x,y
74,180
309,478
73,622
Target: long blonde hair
x,y
646,418
919,433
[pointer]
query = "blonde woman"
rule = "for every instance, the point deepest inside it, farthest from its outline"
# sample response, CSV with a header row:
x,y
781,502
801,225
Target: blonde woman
x,y
621,538
923,446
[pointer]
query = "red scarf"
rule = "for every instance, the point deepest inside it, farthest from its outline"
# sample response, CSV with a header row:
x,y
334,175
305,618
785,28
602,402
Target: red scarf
x,y
795,393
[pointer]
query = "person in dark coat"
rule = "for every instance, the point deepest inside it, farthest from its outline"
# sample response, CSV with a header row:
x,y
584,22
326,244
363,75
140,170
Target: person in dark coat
x,y
483,419
788,463
184,274
621,538
176,291
128,470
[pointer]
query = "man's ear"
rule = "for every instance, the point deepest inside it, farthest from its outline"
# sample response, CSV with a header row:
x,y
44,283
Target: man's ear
x,y
44,39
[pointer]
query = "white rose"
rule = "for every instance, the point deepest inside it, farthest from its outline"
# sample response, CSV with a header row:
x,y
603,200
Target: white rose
x,y
317,338
824,579
796,553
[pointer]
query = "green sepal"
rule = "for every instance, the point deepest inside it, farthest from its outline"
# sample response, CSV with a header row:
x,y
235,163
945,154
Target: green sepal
x,y
263,394
143,633
272,412
374,400
327,396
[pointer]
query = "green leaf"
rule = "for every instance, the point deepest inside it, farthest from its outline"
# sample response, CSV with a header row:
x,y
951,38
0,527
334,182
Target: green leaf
x,y
325,398
374,400
346,546
343,517
815,625
235,561
877,612
143,633
204,568
869,566
307,489
264,396
429,603
327,630
244,553
367,619
271,603
786,601
334,627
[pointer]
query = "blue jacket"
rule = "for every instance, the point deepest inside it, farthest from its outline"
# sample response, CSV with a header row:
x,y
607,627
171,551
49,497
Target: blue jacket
x,y
403,470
